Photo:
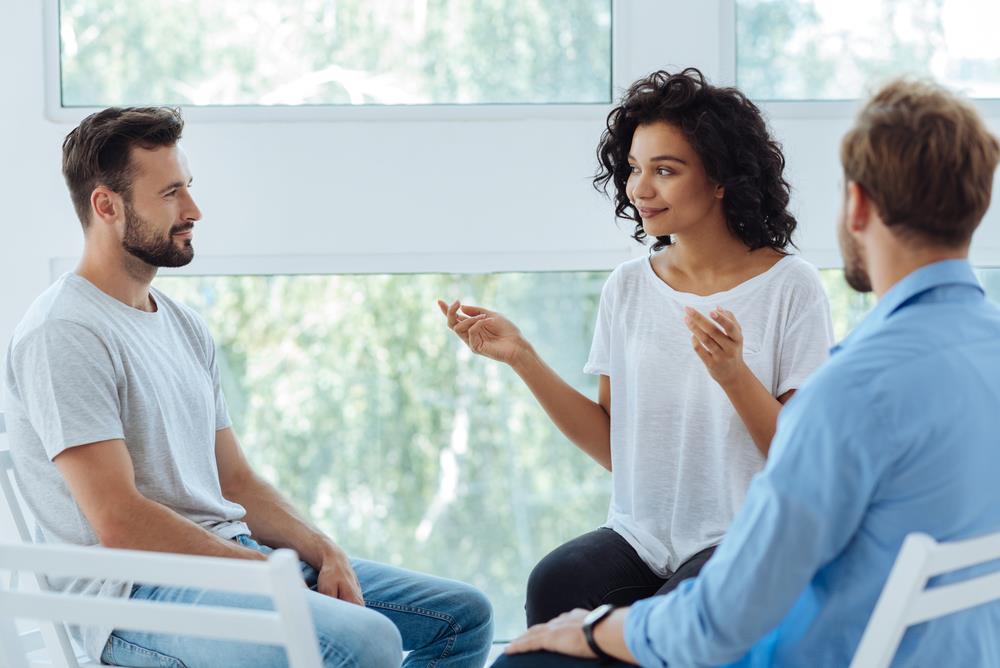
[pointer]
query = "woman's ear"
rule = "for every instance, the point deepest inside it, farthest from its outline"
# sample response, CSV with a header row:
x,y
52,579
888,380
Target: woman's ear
x,y
720,191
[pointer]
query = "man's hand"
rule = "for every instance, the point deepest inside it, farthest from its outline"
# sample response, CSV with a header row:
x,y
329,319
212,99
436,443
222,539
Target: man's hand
x,y
564,635
336,577
719,344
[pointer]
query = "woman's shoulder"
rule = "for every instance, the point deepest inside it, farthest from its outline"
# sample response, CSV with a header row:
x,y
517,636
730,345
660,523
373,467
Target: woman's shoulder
x,y
798,275
628,272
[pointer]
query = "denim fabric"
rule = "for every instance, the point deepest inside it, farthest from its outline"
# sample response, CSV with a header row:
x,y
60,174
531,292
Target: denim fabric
x,y
441,623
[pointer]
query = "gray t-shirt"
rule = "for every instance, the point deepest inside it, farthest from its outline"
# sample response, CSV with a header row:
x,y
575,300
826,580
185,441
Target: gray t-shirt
x,y
84,367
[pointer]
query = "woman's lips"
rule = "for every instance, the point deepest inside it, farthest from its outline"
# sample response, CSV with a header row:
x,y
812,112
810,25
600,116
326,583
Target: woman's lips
x,y
649,212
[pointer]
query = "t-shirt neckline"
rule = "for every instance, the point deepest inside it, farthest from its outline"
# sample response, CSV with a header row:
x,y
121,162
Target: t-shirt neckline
x,y
738,289
121,306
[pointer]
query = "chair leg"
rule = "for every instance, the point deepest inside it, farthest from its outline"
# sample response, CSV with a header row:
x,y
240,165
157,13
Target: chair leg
x,y
10,645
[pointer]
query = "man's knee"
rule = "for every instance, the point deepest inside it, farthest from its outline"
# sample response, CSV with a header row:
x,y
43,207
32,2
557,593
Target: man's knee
x,y
475,612
367,639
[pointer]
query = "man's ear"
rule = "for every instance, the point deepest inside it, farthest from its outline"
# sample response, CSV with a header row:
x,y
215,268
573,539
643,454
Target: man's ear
x,y
106,205
859,207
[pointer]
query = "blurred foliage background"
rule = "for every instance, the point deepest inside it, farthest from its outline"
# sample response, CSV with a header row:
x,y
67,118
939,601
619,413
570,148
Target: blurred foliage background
x,y
210,52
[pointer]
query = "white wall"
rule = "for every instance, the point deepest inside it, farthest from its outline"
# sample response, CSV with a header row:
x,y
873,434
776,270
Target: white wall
x,y
392,195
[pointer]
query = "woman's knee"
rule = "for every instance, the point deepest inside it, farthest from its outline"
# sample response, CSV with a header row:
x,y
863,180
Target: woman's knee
x,y
551,589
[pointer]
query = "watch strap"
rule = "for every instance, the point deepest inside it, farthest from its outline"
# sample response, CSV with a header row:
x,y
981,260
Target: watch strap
x,y
588,633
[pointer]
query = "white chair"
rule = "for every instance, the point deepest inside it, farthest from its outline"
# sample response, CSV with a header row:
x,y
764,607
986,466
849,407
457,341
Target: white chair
x,y
906,600
279,578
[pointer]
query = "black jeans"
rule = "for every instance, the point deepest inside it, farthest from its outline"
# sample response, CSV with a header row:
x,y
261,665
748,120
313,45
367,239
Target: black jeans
x,y
596,568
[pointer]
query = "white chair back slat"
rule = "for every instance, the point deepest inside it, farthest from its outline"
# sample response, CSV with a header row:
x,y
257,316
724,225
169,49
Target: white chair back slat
x,y
255,626
176,570
289,625
905,600
946,599
10,497
947,557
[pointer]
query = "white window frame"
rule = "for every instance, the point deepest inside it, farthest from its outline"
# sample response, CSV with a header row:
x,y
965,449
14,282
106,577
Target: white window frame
x,y
622,15
800,109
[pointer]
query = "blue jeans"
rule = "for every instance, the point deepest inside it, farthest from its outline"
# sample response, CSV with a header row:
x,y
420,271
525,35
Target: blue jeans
x,y
442,623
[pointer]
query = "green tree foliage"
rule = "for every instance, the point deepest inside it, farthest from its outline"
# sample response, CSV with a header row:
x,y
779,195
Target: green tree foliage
x,y
194,52
352,396
793,49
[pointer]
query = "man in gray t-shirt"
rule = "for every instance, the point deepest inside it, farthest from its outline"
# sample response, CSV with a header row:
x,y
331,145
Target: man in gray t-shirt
x,y
120,435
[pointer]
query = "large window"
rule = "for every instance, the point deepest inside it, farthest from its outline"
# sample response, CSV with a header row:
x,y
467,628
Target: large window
x,y
348,52
840,49
351,395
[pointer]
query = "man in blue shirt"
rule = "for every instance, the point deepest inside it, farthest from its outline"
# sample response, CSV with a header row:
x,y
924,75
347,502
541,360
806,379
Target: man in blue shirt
x,y
899,432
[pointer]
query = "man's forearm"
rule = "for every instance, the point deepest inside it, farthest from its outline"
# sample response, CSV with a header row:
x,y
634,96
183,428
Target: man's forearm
x,y
275,522
610,636
142,524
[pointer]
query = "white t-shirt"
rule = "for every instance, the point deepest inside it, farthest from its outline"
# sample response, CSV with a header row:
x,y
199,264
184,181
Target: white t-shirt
x,y
682,458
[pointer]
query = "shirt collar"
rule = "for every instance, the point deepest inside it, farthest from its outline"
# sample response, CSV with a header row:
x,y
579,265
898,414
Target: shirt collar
x,y
945,272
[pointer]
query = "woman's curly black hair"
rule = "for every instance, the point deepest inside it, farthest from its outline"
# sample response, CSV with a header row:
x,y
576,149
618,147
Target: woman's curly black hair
x,y
729,135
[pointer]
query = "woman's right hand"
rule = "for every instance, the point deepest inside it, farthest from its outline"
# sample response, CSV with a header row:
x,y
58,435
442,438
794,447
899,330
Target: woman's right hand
x,y
487,333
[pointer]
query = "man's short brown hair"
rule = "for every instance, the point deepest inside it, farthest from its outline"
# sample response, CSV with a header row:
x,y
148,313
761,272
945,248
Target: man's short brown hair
x,y
926,160
97,152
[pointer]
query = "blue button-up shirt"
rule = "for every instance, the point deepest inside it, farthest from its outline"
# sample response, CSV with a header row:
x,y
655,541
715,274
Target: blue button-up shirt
x,y
898,432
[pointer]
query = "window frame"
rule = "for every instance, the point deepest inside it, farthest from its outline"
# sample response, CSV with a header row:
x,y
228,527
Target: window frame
x,y
622,16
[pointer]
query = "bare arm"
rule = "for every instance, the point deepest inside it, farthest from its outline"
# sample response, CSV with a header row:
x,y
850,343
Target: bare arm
x,y
274,521
722,352
102,480
585,422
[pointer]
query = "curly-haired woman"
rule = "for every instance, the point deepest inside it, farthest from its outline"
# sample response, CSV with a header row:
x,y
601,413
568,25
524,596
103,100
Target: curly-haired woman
x,y
697,345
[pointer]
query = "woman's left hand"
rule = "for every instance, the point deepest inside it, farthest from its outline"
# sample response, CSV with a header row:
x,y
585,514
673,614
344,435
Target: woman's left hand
x,y
719,343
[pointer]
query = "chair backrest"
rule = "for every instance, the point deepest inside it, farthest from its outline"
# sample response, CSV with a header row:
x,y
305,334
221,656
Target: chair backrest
x,y
279,578
906,600
49,635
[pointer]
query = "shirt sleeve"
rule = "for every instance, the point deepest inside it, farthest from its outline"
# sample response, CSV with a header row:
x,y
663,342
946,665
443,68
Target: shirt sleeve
x,y
811,495
806,344
599,361
66,382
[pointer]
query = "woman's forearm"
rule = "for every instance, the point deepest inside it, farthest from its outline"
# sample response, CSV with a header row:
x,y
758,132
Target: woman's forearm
x,y
756,407
582,420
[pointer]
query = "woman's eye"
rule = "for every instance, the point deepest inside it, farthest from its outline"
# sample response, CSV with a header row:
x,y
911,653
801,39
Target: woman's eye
x,y
664,171
632,169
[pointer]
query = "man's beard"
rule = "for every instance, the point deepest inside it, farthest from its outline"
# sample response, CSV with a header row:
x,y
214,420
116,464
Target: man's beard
x,y
157,252
854,264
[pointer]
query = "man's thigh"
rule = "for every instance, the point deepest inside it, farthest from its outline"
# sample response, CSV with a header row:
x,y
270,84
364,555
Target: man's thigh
x,y
347,635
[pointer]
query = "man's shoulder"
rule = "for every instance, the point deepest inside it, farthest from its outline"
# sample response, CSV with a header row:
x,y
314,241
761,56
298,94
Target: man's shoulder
x,y
185,316
59,308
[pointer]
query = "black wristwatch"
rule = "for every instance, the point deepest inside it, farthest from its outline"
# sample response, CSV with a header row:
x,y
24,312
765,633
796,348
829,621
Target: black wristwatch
x,y
596,616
